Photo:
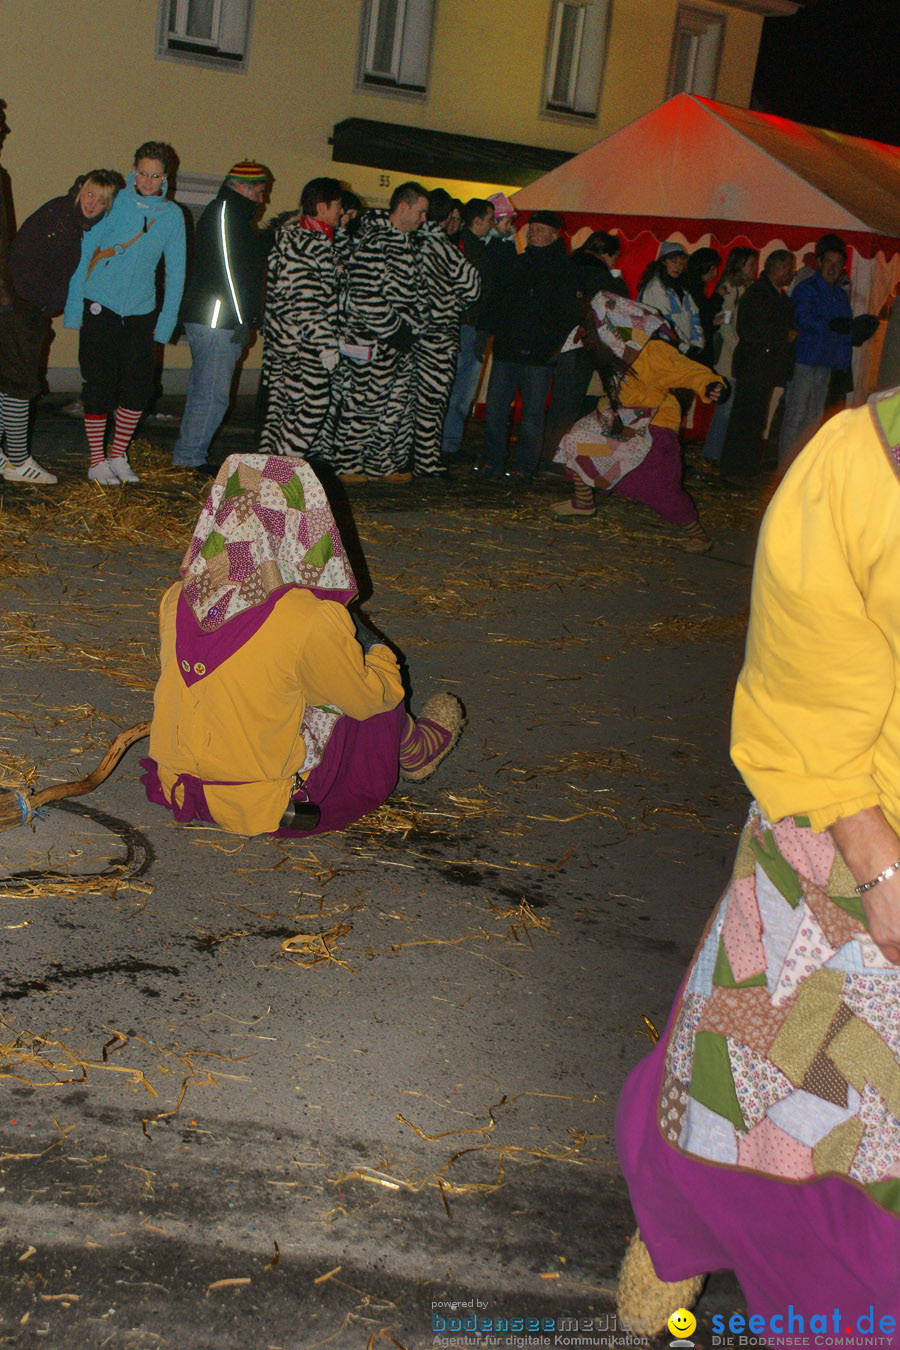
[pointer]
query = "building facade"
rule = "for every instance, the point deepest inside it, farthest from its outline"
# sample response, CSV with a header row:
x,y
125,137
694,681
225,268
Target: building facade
x,y
469,95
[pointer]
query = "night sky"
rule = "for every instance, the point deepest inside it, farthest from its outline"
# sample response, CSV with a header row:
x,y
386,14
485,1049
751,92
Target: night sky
x,y
834,64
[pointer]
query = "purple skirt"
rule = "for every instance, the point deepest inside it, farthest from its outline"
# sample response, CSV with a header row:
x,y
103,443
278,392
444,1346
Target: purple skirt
x,y
814,1246
358,772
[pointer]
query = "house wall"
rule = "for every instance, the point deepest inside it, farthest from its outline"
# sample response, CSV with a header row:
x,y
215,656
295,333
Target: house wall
x,y
86,88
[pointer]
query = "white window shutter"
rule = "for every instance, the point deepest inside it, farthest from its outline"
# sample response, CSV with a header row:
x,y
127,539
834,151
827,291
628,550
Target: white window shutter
x,y
416,45
593,52
233,26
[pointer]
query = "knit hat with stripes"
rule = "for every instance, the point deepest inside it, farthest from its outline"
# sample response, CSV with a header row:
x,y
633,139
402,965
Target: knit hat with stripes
x,y
248,171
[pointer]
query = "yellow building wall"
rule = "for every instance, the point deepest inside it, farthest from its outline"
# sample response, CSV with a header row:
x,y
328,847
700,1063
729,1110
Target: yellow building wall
x,y
86,88
639,56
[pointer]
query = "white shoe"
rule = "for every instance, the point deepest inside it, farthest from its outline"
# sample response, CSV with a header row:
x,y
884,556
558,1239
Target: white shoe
x,y
103,473
122,469
29,471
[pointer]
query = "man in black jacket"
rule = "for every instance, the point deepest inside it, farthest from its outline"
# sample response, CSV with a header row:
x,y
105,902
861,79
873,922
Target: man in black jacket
x,y
534,311
763,360
222,304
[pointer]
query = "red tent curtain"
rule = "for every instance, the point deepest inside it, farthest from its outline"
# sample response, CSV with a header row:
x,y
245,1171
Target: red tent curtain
x,y
642,235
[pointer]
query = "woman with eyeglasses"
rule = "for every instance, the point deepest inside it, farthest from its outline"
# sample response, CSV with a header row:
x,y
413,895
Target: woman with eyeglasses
x,y
113,301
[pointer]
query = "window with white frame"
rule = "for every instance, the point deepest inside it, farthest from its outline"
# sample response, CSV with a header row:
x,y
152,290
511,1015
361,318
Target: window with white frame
x,y
396,44
209,32
575,55
695,52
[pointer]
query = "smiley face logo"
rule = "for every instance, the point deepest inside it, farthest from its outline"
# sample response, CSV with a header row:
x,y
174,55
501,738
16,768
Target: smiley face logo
x,y
682,1323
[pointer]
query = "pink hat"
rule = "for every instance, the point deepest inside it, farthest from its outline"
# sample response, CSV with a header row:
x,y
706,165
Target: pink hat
x,y
502,205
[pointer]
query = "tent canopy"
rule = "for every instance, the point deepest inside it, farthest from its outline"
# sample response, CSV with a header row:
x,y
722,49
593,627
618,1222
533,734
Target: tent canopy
x,y
693,159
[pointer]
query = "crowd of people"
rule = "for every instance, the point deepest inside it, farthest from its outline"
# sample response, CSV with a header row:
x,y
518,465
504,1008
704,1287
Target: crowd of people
x,y
762,1134
376,325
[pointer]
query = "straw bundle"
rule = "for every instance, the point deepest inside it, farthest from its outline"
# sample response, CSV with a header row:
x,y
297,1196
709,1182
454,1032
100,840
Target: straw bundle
x,y
17,809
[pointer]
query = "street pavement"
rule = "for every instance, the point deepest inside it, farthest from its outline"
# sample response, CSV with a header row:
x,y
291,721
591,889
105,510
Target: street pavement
x,y
342,1091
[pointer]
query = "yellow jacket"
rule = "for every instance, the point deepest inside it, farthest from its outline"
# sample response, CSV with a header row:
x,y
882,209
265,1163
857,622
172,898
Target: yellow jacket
x,y
658,368
239,726
816,723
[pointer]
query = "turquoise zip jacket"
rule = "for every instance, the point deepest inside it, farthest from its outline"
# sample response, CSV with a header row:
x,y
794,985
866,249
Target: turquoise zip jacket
x,y
126,282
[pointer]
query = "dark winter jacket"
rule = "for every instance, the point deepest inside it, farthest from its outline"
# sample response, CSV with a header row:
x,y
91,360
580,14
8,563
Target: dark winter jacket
x,y
476,252
502,252
225,288
764,352
46,250
537,308
7,230
594,275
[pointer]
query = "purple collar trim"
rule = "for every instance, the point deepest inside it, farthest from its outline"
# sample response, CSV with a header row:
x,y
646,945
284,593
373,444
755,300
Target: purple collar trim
x,y
200,653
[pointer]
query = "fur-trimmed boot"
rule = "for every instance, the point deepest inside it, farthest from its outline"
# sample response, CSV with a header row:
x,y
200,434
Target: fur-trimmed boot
x,y
644,1302
430,737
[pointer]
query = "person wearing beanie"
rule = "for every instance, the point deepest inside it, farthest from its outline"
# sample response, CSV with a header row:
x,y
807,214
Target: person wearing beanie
x,y
301,350
503,207
663,287
112,300
222,304
452,285
500,244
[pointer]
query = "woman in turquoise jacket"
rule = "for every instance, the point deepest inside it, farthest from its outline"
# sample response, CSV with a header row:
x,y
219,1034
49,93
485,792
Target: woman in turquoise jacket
x,y
112,299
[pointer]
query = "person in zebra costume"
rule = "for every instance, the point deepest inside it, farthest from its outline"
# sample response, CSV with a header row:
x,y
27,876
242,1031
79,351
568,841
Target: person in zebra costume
x,y
346,237
453,285
300,351
386,308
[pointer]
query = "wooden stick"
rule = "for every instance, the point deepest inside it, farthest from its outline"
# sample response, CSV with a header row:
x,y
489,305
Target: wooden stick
x,y
15,807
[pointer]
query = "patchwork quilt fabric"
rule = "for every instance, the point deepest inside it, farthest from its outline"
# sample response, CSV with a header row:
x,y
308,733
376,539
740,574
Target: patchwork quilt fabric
x,y
606,445
784,1054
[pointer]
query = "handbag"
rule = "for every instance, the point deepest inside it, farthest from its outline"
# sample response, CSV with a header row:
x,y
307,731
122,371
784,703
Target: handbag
x,y
101,253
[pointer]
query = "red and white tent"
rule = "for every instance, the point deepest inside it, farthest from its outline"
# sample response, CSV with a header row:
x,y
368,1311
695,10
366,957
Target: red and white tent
x,y
709,174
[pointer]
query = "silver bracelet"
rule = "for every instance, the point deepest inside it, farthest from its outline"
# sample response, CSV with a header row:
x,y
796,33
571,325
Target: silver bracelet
x,y
882,876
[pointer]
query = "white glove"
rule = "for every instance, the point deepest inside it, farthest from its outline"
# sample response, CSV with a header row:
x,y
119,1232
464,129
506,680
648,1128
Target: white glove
x,y
329,357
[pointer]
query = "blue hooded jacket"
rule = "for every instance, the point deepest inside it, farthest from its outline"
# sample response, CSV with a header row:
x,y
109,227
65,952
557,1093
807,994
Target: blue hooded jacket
x,y
815,305
126,282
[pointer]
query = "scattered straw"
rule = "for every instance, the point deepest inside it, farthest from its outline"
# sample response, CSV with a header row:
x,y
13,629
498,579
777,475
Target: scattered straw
x,y
581,763
674,631
46,1061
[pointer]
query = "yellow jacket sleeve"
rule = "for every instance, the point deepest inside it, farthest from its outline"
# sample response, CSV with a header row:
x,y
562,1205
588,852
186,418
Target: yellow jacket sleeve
x,y
333,670
658,368
815,729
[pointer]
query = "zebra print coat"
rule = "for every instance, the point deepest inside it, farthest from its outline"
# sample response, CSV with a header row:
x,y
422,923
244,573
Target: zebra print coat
x,y
453,284
451,281
301,323
384,291
301,292
385,285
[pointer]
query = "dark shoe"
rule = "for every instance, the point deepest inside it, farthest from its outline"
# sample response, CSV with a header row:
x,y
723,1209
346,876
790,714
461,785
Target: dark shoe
x,y
203,470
